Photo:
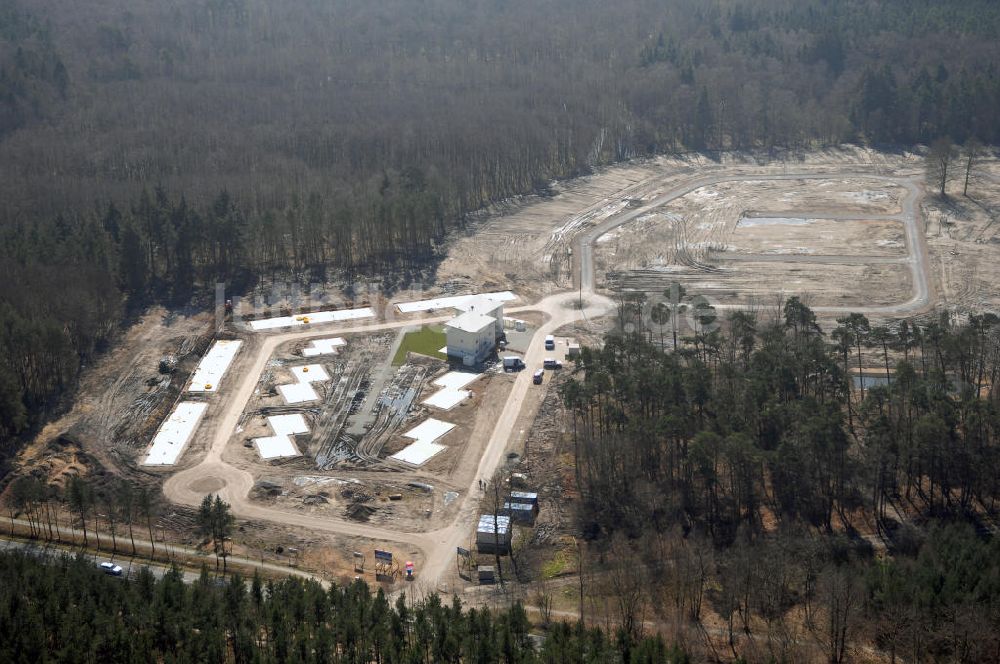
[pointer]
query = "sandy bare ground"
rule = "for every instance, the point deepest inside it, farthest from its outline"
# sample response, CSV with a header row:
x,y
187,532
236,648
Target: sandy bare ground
x,y
963,234
917,261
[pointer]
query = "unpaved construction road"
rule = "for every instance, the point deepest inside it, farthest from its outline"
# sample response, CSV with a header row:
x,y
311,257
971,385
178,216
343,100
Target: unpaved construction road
x,y
438,546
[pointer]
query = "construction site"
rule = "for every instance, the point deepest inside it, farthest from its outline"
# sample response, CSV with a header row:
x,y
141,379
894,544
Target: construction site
x,y
340,430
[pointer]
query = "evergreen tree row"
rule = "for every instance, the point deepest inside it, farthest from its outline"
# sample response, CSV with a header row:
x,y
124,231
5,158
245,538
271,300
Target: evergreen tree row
x,y
68,611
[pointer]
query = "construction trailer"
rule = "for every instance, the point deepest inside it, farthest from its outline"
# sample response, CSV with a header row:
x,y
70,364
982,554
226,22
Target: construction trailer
x,y
494,534
521,513
529,497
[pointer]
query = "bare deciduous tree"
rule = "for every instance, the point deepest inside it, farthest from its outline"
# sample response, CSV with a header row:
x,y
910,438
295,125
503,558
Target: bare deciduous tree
x,y
973,153
842,596
938,163
543,599
627,585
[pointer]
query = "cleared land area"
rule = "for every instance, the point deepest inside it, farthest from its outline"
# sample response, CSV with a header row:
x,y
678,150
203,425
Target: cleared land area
x,y
839,242
963,235
842,237
821,228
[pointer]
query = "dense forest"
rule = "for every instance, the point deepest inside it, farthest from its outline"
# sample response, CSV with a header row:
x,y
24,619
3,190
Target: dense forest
x,y
740,469
756,418
153,147
68,611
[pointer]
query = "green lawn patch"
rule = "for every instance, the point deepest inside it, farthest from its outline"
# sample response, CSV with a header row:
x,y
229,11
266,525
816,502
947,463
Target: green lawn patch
x,y
428,340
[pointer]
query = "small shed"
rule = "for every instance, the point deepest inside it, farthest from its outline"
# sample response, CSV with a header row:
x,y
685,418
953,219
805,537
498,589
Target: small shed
x,y
573,350
522,513
486,574
529,497
494,534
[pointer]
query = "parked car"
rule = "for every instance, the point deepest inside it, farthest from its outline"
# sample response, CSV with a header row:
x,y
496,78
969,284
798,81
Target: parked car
x,y
111,568
551,363
550,342
512,364
537,378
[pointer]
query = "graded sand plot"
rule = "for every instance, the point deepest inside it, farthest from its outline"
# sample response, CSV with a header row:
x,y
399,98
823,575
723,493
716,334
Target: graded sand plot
x,y
834,195
756,282
831,237
734,241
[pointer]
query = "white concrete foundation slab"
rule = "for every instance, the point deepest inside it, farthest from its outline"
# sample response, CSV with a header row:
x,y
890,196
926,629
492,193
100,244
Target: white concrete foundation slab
x,y
288,425
298,393
213,366
323,347
456,380
451,393
275,447
418,453
447,399
452,301
312,318
312,373
429,430
174,434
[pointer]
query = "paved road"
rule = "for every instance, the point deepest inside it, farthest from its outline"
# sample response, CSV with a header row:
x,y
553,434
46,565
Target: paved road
x,y
131,566
438,546
128,561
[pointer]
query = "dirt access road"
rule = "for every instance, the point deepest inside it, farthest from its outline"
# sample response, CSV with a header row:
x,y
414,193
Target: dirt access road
x,y
188,487
916,244
213,475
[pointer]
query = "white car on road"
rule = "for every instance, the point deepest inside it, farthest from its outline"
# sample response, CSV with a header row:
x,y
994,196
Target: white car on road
x,y
111,568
